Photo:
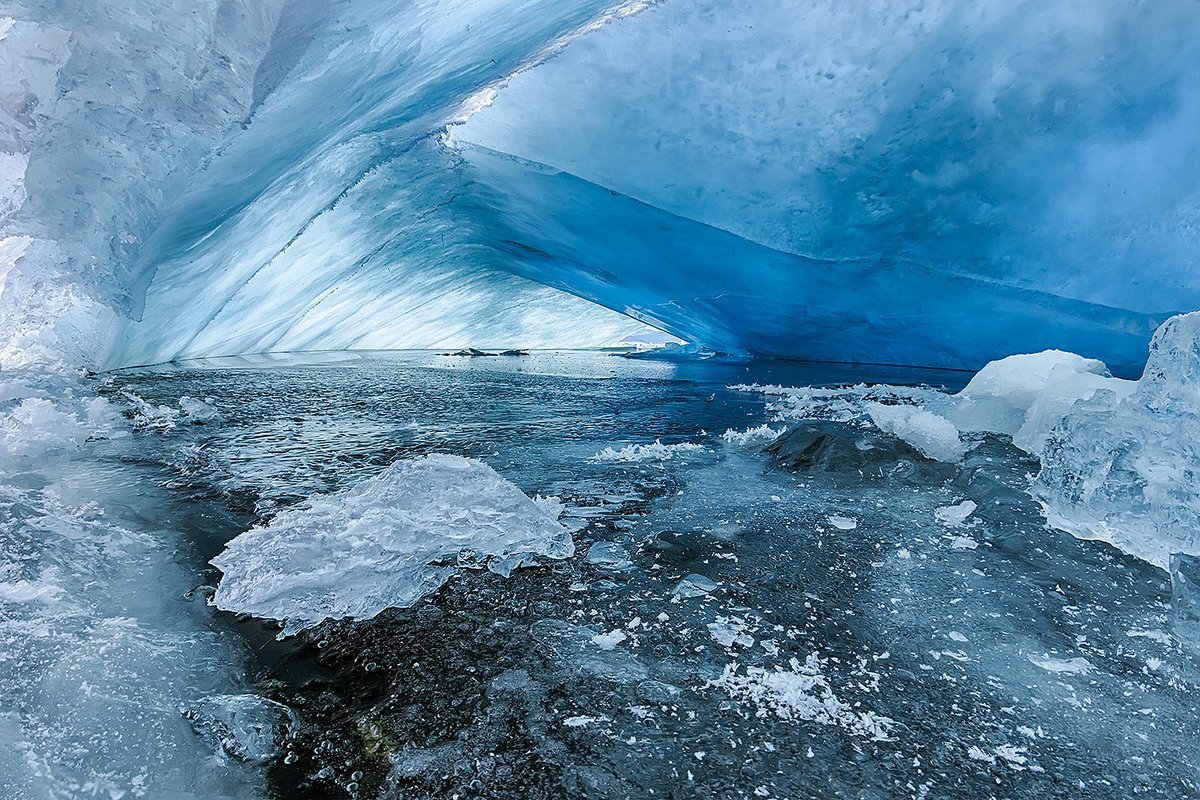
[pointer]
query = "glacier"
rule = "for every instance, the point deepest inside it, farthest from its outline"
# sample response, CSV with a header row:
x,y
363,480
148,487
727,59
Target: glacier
x,y
931,265
936,183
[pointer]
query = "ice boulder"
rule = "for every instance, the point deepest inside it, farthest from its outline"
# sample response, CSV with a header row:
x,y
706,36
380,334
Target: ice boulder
x,y
1025,396
386,542
1124,464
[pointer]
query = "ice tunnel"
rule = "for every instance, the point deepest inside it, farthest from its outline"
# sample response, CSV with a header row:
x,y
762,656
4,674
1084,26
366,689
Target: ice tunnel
x,y
920,183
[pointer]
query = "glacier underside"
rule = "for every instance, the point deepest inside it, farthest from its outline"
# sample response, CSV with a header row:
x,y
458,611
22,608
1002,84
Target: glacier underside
x,y
925,183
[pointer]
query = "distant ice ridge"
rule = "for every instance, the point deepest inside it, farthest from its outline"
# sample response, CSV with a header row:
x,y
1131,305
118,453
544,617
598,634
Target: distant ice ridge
x,y
387,542
1120,460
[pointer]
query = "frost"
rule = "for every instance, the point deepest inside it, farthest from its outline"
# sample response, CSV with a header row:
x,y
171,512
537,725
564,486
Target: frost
x,y
975,753
387,541
751,436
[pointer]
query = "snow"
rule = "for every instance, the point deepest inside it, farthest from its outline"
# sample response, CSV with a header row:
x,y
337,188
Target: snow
x,y
386,542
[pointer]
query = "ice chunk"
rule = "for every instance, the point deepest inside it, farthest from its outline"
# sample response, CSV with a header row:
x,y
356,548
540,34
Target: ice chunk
x,y
199,411
694,585
244,726
1026,396
933,436
728,631
1063,665
1123,466
608,554
607,641
955,515
842,523
387,541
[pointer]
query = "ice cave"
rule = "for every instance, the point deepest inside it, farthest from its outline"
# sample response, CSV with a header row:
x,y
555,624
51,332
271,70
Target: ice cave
x,y
601,399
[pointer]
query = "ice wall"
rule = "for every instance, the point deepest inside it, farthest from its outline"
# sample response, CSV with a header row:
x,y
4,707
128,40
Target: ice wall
x,y
937,183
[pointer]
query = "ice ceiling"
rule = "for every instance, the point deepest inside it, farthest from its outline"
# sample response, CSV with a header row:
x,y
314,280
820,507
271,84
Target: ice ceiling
x,y
935,183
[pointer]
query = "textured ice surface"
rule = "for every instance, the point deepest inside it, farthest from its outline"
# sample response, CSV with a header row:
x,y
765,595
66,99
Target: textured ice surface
x,y
386,542
103,639
1119,458
917,182
968,649
1185,598
1124,465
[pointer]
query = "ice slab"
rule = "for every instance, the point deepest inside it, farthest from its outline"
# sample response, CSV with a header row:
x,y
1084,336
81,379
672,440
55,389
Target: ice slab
x,y
386,542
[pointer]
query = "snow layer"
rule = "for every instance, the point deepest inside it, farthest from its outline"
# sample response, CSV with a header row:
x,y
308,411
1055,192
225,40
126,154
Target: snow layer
x,y
386,542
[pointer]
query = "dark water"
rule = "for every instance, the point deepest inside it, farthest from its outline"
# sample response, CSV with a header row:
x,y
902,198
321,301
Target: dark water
x,y
897,658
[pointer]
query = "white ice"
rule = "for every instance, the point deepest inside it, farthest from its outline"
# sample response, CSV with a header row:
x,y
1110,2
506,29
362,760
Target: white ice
x,y
386,542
